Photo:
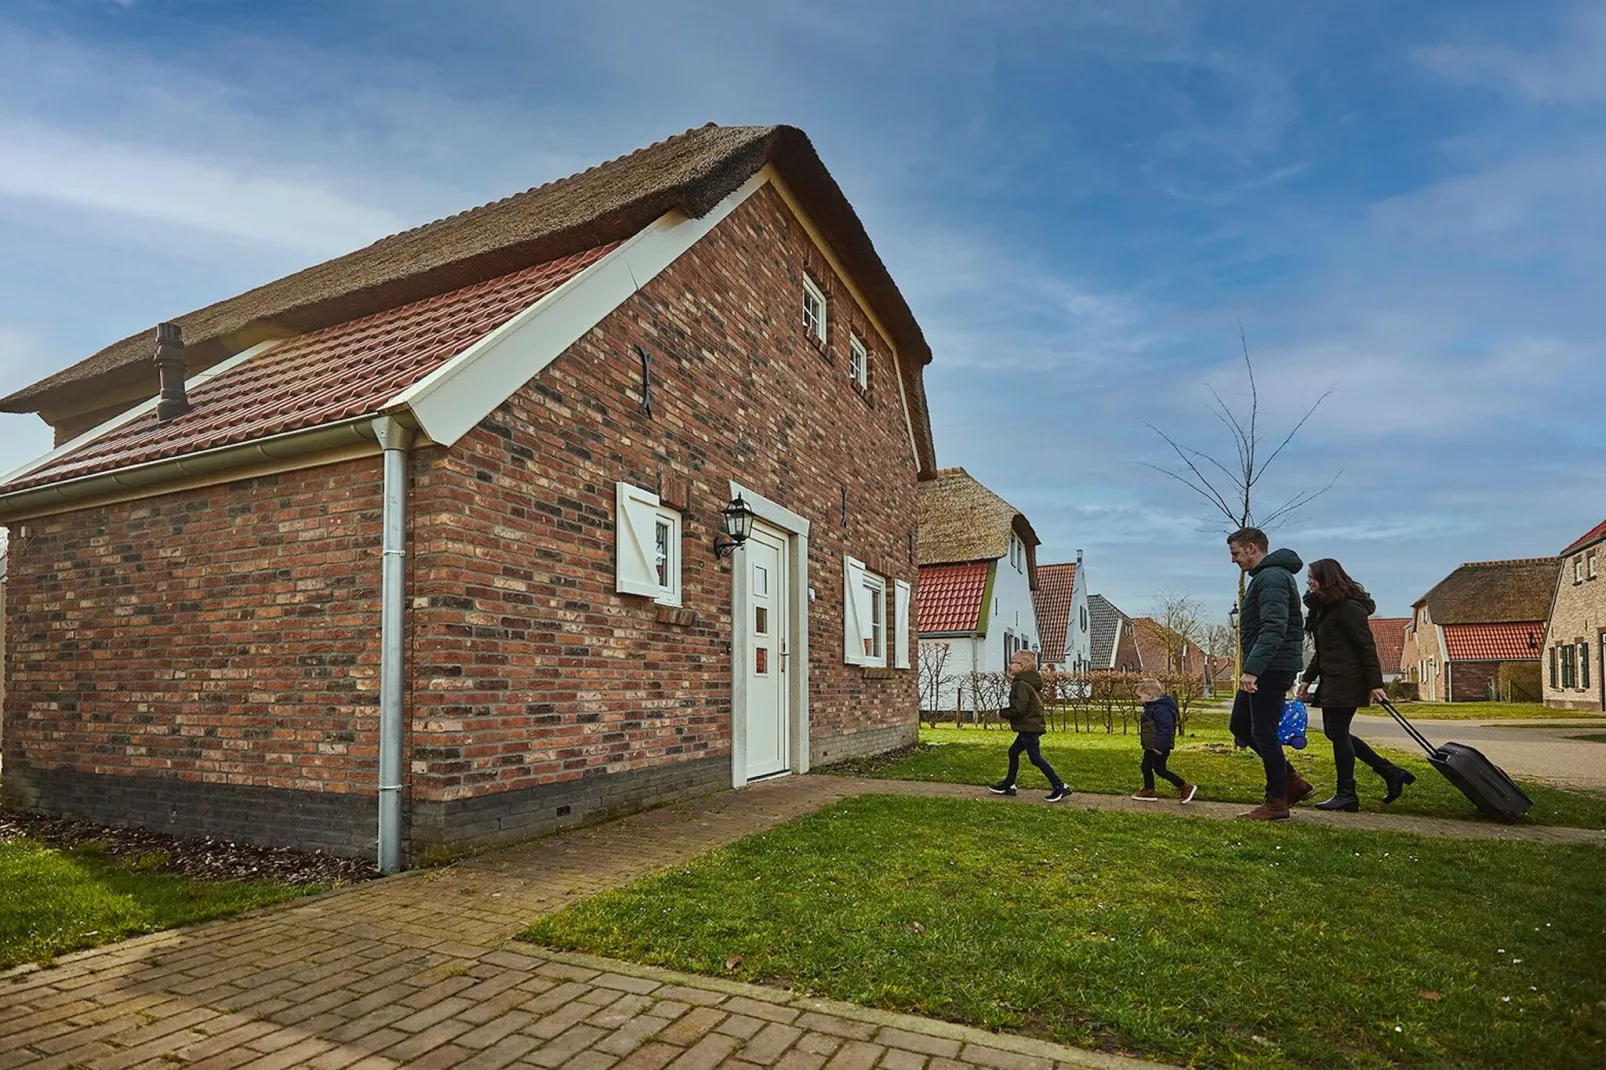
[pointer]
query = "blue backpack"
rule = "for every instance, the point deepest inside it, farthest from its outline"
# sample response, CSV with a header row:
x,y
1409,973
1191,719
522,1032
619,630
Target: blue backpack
x,y
1291,729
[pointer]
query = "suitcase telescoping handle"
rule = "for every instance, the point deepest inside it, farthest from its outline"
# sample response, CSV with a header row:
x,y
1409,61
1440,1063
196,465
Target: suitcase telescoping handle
x,y
1410,729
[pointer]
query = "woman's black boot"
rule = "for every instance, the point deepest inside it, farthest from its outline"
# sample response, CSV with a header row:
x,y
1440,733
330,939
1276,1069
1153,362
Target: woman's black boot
x,y
1343,799
1397,779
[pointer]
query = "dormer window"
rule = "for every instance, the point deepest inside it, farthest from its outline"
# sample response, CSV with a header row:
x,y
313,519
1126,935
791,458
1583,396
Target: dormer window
x,y
813,310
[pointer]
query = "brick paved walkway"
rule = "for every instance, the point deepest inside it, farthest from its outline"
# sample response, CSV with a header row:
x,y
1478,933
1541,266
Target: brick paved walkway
x,y
419,971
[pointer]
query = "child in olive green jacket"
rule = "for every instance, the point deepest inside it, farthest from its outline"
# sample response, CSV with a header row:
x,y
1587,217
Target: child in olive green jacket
x,y
1025,716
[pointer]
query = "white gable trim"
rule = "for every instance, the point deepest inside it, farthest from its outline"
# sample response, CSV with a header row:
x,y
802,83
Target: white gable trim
x,y
858,296
190,383
466,389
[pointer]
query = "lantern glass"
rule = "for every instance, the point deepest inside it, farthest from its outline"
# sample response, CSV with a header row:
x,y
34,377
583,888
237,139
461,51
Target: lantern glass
x,y
738,519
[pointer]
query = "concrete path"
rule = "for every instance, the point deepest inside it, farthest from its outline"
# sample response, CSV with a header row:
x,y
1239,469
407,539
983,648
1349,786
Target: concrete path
x,y
1529,749
420,970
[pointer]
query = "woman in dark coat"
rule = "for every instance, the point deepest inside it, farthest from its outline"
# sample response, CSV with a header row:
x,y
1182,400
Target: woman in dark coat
x,y
1348,676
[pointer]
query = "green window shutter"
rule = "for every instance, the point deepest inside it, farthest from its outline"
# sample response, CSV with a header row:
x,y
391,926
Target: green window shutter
x,y
1553,682
1583,666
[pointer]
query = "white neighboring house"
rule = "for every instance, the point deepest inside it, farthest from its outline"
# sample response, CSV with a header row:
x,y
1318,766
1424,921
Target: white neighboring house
x,y
1062,616
978,575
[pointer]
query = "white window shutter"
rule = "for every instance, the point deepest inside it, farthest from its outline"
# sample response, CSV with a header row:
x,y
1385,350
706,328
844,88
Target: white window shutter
x,y
635,538
855,611
901,645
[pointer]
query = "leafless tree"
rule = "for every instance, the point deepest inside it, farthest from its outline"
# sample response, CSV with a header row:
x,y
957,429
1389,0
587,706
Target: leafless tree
x,y
932,668
1180,630
1231,488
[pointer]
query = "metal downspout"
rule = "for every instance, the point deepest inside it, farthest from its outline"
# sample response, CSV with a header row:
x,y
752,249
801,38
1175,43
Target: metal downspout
x,y
394,439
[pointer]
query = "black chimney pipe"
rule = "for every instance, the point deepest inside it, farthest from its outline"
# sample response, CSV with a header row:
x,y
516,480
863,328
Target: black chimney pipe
x,y
170,367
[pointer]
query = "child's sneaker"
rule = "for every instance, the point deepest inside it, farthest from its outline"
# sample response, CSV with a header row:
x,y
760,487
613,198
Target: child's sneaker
x,y
1003,787
1187,791
1146,795
1059,794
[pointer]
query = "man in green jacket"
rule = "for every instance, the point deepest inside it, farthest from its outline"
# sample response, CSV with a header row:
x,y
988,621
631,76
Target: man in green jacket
x,y
1025,716
1271,627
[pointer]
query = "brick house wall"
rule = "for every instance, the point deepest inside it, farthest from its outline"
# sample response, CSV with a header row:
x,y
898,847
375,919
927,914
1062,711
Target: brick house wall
x,y
1470,680
223,642
1422,645
202,662
1577,619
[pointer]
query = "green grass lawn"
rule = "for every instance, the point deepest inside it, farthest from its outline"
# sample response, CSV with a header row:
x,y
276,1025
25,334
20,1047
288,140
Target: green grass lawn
x,y
1473,711
1108,763
54,901
1193,941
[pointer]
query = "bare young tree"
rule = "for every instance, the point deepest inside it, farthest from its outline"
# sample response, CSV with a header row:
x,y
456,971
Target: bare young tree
x,y
1179,616
933,678
1231,488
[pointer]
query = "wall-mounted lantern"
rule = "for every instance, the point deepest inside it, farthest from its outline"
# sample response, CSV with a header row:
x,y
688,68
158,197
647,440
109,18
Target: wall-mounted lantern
x,y
738,526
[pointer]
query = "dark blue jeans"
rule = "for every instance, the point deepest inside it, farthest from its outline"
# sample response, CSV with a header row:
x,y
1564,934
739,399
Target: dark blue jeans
x,y
1029,742
1255,717
1154,762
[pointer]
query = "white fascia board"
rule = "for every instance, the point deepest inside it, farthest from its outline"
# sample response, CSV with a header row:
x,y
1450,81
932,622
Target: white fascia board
x,y
458,395
136,412
771,512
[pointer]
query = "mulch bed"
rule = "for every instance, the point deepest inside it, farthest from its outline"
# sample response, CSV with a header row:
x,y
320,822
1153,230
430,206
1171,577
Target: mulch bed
x,y
202,859
873,763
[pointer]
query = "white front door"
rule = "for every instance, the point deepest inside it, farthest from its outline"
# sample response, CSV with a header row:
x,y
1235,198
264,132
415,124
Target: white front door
x,y
765,617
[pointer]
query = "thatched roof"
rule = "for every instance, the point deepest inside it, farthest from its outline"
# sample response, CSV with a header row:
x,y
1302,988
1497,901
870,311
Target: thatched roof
x,y
961,520
1492,592
691,172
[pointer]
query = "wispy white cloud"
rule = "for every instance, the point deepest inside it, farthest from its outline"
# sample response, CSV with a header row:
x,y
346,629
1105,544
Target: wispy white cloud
x,y
1571,71
219,197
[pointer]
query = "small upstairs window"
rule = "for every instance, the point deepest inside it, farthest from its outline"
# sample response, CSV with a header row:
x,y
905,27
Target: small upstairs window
x,y
858,363
813,310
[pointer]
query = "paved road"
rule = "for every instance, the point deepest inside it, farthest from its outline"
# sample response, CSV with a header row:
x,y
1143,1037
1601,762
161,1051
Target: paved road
x,y
1531,749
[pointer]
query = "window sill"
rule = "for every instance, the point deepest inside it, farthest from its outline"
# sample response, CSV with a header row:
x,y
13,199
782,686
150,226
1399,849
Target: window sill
x,y
879,672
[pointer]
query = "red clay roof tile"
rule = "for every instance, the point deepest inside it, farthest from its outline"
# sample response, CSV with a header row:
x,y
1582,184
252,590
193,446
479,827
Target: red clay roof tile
x,y
1493,642
949,597
324,377
1595,534
1052,602
1388,634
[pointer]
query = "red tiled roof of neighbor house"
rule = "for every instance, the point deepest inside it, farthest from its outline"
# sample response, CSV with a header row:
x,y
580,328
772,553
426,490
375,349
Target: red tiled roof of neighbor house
x,y
1388,633
1052,601
949,597
1493,642
1595,534
335,374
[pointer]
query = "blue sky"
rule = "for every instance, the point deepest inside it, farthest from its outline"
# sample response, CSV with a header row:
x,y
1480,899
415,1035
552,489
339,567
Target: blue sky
x,y
1400,203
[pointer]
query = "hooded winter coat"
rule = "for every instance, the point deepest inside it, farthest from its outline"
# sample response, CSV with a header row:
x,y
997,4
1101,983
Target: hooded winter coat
x,y
1157,727
1272,623
1345,660
1025,712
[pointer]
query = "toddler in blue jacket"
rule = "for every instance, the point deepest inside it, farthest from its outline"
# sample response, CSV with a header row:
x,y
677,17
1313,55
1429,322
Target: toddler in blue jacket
x,y
1157,729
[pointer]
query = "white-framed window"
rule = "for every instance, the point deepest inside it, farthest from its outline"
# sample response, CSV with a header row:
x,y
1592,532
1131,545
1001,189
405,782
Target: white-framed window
x,y
858,362
875,643
1589,570
647,537
864,615
1084,618
1578,569
813,310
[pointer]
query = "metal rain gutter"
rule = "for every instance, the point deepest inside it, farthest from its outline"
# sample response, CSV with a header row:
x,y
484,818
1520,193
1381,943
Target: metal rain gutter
x,y
56,497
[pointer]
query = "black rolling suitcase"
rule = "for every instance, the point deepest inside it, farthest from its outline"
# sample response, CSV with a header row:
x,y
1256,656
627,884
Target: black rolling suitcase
x,y
1484,783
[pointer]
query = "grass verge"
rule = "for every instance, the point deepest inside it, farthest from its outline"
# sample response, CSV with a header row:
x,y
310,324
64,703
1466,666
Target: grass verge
x,y
1108,764
1474,711
1191,941
53,901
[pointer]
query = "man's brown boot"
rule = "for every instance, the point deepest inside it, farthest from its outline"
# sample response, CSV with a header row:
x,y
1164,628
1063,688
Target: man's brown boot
x,y
1299,789
1275,808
